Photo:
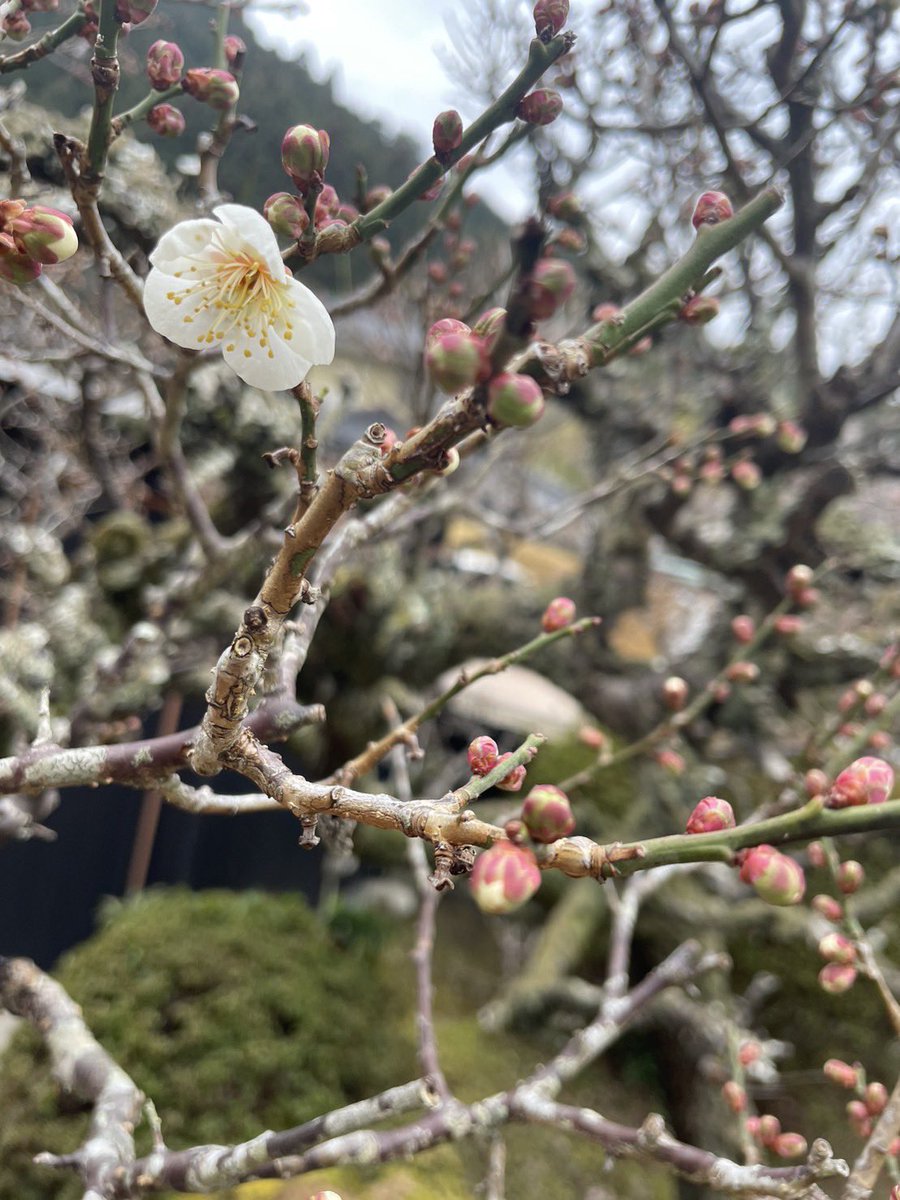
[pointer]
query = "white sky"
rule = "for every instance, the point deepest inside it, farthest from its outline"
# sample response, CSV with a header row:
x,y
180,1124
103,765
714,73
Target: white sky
x,y
384,62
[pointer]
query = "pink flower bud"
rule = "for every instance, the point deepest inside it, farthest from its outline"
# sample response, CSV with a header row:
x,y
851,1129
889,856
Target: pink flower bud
x,y
711,814
547,813
749,1052
437,272
858,1116
134,12
304,154
514,780
18,268
235,49
788,625
671,761
286,214
711,208
641,347
742,672
376,196
699,310
828,907
769,1129
446,134
743,628
165,120
559,614
798,578
841,1073
165,62
734,1096
515,400
791,437
752,1127
504,878
789,1145
456,361
605,312
815,850
442,327
836,978
16,27
850,876
834,947
875,704
593,738
489,326
815,782
550,17
216,88
44,234
482,755
776,878
675,693
540,107
876,1098
746,474
878,739
868,780
552,283
565,206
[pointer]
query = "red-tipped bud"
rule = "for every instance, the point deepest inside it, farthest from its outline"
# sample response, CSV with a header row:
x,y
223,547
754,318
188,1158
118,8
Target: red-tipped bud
x,y
18,268
211,86
593,738
746,474
547,813
671,761
834,947
235,50
711,814
516,832
841,1073
515,400
304,154
606,312
815,850
742,672
514,780
327,206
550,17
868,780
749,1052
456,361
565,206
743,628
376,196
699,310
858,1116
540,107
16,27
711,208
850,876
769,1129
816,782
752,1127
789,1145
490,325
437,272
286,214
788,625
559,614
165,62
44,234
482,755
876,1098
776,878
442,327
552,283
791,437
734,1096
875,704
675,693
166,121
879,739
828,907
504,878
446,134
134,12
836,978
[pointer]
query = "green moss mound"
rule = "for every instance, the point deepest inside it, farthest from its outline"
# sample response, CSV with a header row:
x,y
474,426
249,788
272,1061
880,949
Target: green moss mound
x,y
235,1012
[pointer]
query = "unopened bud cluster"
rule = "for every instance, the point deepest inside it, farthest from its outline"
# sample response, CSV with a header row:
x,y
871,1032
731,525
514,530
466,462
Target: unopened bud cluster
x,y
766,1132
32,237
777,878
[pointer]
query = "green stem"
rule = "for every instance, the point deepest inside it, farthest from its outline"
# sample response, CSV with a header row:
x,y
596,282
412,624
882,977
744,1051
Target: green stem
x,y
105,73
45,45
142,108
540,58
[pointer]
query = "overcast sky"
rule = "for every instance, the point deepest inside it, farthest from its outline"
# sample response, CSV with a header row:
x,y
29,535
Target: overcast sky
x,y
384,63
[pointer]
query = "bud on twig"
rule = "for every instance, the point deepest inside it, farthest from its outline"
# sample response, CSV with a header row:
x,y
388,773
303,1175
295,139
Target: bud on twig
x,y
304,154
165,62
711,814
134,12
675,693
166,121
456,361
44,234
711,209
559,614
504,878
550,17
836,978
841,1073
514,780
446,134
515,400
482,755
776,878
850,876
547,813
541,107
235,49
552,283
868,780
211,86
287,215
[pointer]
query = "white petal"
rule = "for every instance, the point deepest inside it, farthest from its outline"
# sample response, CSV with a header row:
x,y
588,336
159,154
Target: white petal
x,y
178,316
313,329
252,362
255,232
184,240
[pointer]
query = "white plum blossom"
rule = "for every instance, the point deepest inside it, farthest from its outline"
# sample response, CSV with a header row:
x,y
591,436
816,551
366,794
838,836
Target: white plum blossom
x,y
223,283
